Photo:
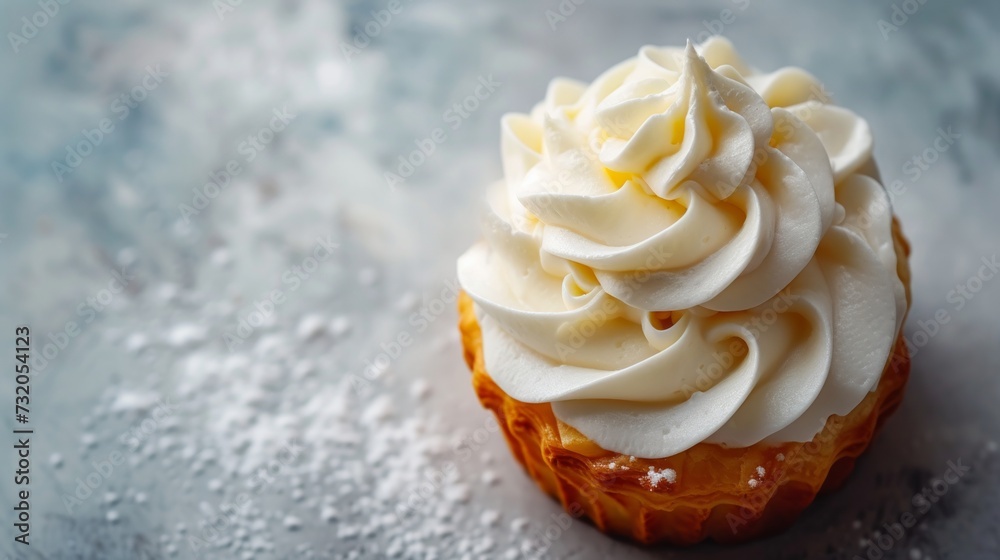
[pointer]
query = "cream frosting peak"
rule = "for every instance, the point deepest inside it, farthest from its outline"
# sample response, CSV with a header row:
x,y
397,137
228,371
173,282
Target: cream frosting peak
x,y
676,254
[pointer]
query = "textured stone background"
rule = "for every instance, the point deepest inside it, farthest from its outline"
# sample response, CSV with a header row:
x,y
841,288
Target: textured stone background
x,y
63,235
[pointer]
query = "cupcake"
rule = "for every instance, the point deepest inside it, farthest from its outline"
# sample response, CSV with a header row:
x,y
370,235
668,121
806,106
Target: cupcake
x,y
686,310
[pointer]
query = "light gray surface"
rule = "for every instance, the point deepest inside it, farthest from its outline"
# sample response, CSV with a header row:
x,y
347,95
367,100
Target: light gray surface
x,y
323,175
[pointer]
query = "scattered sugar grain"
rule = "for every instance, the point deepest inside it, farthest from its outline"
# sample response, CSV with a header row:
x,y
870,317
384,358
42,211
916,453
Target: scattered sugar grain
x,y
378,411
485,544
310,326
221,257
126,256
185,334
490,478
328,514
458,493
654,477
408,302
303,369
340,326
420,389
132,401
136,342
292,523
166,292
489,518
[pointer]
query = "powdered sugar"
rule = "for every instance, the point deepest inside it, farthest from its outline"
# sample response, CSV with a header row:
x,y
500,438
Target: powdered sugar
x,y
273,417
655,477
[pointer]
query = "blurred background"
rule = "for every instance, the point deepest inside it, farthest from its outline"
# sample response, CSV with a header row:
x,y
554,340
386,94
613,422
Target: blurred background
x,y
243,330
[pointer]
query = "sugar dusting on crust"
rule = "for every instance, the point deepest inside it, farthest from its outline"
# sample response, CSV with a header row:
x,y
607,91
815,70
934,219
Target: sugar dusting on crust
x,y
655,477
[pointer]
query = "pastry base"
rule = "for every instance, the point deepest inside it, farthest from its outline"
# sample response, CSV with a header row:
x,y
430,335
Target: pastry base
x,y
712,496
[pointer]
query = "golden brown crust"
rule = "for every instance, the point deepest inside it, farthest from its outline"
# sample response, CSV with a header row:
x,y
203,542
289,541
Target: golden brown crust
x,y
712,497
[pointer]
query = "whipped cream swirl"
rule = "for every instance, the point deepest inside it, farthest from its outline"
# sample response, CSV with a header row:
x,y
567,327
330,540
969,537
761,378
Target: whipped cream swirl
x,y
687,250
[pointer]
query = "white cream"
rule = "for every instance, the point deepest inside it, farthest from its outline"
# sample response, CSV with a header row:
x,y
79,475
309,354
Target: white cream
x,y
686,250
